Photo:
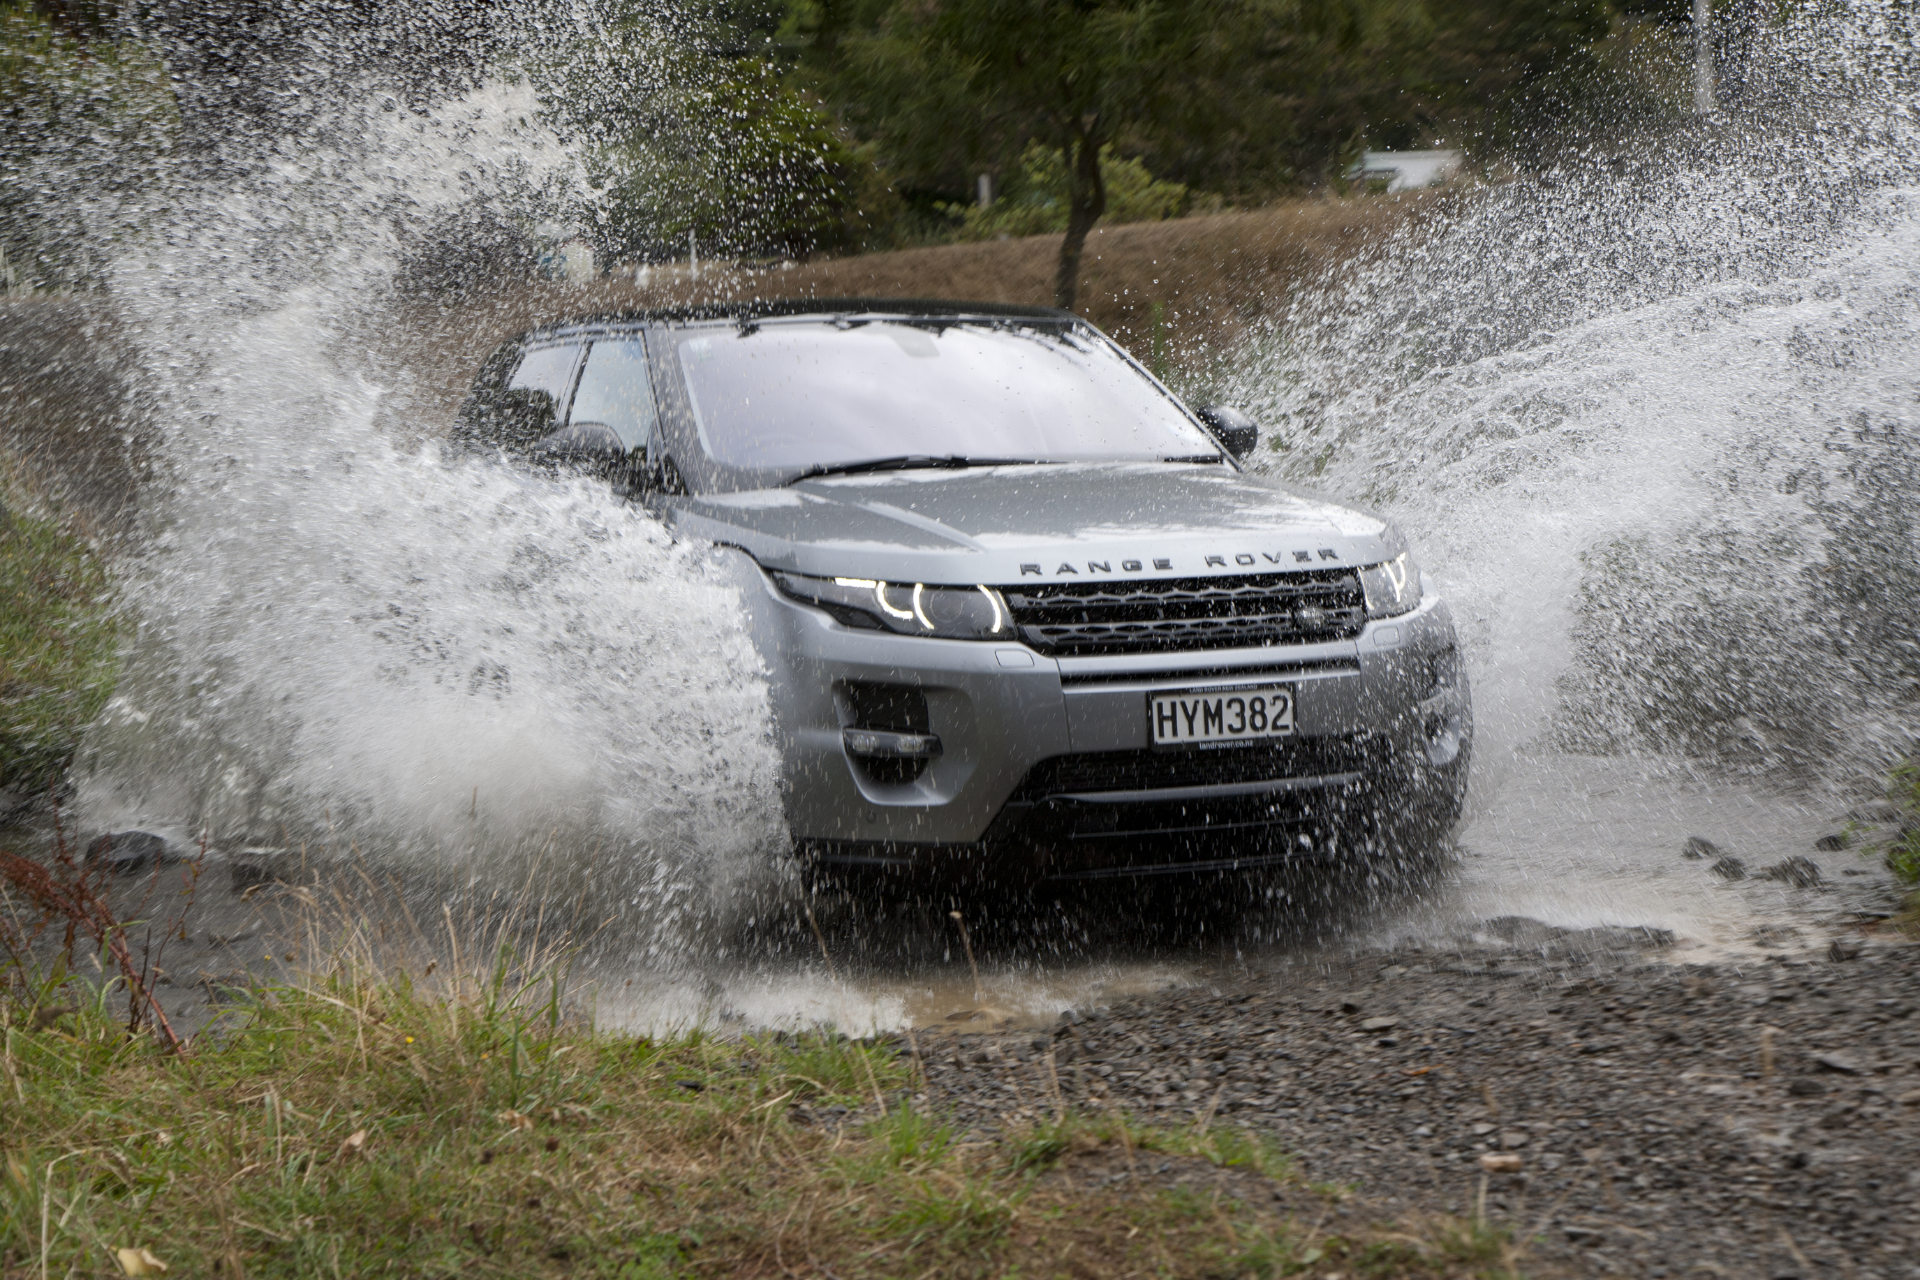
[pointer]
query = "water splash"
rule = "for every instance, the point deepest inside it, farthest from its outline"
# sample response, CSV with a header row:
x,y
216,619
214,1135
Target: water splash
x,y
1652,417
350,643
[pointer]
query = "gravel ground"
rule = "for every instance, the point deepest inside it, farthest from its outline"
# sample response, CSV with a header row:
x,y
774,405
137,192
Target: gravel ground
x,y
1755,1119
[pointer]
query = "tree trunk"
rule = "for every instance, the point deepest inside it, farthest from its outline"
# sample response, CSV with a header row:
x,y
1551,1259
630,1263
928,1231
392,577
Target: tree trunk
x,y
1086,201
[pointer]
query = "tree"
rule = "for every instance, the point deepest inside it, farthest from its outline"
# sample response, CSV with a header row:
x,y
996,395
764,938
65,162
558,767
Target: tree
x,y
946,82
1033,201
739,163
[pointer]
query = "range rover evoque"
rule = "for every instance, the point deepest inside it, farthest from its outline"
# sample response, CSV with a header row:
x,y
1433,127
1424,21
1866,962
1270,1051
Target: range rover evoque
x,y
1026,616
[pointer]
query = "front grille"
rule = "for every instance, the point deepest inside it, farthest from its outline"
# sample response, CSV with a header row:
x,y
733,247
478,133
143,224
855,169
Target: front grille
x,y
1072,619
1193,767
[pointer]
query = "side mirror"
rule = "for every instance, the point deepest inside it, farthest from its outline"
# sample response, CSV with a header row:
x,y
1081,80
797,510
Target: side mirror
x,y
594,449
1230,427
582,444
518,418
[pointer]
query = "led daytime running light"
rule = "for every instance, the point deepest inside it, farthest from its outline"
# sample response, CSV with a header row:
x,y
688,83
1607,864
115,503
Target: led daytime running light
x,y
935,610
999,613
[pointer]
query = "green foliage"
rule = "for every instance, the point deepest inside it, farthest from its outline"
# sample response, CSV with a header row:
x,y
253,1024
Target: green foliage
x,y
1041,1147
951,87
755,168
909,1139
692,134
1903,855
962,1215
1448,1248
78,111
1034,201
58,657
835,1068
1240,99
1505,70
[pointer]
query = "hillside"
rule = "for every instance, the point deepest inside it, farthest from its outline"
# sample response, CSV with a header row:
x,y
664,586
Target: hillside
x,y
1209,276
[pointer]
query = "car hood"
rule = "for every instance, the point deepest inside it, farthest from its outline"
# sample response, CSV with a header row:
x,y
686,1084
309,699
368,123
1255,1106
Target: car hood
x,y
1063,521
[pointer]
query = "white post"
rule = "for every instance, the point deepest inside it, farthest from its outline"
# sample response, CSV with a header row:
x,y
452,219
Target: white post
x,y
1702,57
693,255
983,188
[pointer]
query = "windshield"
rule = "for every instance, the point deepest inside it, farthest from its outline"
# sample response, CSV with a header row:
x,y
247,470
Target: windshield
x,y
819,393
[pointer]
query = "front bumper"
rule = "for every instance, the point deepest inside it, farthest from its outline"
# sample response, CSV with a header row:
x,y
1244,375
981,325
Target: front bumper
x,y
1045,766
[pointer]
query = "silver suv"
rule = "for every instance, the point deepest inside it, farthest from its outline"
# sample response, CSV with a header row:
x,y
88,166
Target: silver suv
x,y
1024,613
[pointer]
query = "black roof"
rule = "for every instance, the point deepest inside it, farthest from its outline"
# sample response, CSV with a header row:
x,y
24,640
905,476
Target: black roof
x,y
769,307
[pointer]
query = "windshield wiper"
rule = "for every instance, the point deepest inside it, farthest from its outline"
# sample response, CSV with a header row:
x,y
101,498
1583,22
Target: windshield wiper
x,y
910,462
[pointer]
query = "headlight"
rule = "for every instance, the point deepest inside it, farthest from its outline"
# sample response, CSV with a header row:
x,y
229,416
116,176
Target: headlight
x,y
1392,588
907,608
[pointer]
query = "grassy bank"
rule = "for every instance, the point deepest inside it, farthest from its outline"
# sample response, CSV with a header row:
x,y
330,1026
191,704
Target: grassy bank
x,y
358,1128
57,655
1903,852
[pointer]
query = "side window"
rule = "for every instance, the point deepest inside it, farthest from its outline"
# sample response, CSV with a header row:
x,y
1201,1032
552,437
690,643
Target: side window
x,y
530,406
615,391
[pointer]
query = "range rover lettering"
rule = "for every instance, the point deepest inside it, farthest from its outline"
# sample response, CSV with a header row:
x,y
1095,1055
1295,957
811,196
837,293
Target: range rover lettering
x,y
1026,616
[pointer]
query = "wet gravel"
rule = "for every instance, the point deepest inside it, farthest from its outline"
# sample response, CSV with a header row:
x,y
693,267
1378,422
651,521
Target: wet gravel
x,y
1742,1119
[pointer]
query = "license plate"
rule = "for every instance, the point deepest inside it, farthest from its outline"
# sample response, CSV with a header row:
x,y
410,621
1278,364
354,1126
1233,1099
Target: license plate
x,y
1220,715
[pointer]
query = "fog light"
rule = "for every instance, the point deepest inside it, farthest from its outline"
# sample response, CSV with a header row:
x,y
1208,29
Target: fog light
x,y
884,744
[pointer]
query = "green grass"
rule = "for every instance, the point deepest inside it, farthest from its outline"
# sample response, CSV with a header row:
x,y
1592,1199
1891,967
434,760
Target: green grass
x,y
57,643
1903,853
361,1127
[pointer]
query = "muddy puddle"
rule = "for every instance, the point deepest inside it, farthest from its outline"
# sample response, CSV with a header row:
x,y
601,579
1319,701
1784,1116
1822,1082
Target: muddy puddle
x,y
1552,846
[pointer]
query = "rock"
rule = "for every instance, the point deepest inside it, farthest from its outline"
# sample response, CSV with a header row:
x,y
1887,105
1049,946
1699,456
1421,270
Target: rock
x,y
11,800
1513,1138
1729,868
1522,931
1379,1024
1911,1098
130,850
1831,844
1605,939
1500,1162
1805,1087
1584,1236
1349,1004
1839,1062
1698,847
1844,949
1482,1129
1799,871
258,865
228,939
